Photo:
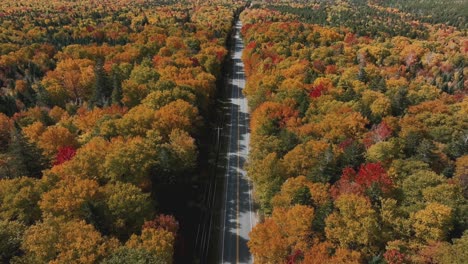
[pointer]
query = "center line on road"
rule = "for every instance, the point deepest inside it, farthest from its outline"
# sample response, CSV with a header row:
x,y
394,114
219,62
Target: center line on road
x,y
228,158
238,179
238,166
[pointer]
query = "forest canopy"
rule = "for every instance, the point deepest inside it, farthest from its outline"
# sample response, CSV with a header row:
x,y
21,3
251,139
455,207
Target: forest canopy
x,y
359,124
358,121
101,101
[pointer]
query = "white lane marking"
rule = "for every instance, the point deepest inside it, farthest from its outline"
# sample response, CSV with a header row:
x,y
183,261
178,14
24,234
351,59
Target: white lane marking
x,y
238,168
247,142
241,102
227,167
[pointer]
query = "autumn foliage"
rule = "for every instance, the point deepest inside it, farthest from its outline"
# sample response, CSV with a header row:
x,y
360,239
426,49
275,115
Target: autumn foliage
x,y
102,105
358,121
64,154
358,116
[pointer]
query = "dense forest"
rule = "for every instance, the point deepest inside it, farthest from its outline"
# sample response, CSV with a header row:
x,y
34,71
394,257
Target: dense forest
x,y
451,13
100,102
359,128
359,119
356,15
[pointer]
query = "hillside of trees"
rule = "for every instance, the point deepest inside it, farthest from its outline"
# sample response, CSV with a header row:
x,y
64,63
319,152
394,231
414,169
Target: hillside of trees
x,y
453,13
358,16
101,101
359,145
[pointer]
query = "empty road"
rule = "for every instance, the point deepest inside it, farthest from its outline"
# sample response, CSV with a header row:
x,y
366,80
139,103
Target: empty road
x,y
239,217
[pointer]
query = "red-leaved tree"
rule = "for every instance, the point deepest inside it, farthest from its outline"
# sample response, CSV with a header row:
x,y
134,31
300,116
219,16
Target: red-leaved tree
x,y
394,256
64,154
291,259
373,173
166,222
379,133
368,176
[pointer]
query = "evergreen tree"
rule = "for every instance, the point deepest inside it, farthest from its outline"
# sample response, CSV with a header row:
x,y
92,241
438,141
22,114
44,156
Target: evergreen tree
x,y
42,96
8,105
425,151
378,84
9,167
362,75
24,157
145,21
302,196
28,96
117,88
102,89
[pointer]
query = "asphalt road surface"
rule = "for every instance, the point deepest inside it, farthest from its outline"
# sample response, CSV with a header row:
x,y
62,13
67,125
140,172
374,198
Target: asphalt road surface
x,y
239,217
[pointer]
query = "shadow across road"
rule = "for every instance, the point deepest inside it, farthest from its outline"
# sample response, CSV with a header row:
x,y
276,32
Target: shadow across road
x,y
238,218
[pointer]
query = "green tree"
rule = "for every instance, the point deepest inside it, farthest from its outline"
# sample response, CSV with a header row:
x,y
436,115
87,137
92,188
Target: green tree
x,y
102,88
116,96
126,208
42,96
142,81
267,175
19,199
362,75
28,159
11,236
130,160
415,184
6,125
